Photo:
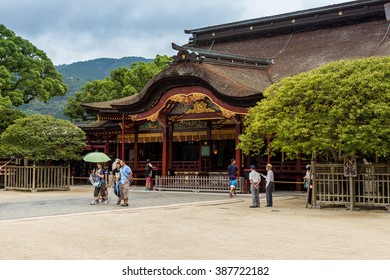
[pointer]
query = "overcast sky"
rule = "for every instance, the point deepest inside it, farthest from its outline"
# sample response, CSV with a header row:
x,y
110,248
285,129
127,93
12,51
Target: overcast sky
x,y
70,30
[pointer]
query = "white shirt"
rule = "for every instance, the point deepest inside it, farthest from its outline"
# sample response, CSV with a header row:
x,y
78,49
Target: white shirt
x,y
270,177
254,176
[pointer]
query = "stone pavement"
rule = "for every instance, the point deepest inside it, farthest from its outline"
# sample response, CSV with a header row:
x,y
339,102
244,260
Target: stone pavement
x,y
16,205
184,226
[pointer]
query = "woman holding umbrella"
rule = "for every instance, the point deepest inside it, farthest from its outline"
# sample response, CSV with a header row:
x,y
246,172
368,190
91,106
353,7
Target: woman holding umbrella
x,y
100,174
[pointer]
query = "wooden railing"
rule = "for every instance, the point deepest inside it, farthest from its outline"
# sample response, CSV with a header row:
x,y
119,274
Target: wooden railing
x,y
36,178
196,183
371,186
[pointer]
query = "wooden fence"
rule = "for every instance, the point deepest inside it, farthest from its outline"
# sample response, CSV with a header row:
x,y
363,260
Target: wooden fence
x,y
36,178
370,187
196,183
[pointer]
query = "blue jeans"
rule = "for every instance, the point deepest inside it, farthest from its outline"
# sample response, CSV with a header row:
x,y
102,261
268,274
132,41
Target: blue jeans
x,y
117,190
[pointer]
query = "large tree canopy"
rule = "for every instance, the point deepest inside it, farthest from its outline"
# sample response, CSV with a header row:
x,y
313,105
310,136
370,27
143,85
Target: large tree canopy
x,y
26,73
342,107
8,116
42,138
123,82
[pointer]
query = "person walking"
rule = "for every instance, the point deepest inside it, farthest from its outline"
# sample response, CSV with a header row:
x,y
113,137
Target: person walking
x,y
148,175
308,185
255,180
116,181
100,175
233,174
269,184
126,176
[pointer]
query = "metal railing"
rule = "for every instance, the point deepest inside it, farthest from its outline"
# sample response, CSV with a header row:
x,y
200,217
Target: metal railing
x,y
37,178
371,186
196,183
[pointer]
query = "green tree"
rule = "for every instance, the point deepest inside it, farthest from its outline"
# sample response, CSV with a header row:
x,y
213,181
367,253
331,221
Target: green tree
x,y
26,73
122,82
42,138
8,116
342,107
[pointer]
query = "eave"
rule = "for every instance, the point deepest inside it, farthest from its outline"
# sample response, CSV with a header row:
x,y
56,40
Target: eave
x,y
310,19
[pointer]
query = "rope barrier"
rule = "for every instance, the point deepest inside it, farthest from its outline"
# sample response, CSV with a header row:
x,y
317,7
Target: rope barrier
x,y
286,182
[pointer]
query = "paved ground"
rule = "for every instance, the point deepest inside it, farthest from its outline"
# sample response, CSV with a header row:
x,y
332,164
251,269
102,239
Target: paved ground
x,y
171,225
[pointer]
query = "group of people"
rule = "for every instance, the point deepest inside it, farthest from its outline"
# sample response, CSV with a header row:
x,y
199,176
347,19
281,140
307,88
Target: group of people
x,y
122,178
255,181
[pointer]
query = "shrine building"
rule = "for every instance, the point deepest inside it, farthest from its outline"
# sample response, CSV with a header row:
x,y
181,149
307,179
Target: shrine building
x,y
188,117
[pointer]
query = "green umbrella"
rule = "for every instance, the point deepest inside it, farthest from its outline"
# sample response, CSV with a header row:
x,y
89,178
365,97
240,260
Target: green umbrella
x,y
96,157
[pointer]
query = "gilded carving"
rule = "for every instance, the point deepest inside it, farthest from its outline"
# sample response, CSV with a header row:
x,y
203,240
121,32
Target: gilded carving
x,y
153,117
188,99
134,117
172,119
200,107
227,113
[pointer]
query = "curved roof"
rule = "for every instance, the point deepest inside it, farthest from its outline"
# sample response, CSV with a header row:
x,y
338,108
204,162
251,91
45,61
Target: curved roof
x,y
237,86
238,69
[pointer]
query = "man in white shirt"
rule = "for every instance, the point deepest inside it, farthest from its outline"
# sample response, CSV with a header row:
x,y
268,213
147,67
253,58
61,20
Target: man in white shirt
x,y
255,180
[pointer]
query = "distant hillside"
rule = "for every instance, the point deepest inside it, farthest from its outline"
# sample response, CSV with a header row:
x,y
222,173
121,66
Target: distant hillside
x,y
75,75
96,69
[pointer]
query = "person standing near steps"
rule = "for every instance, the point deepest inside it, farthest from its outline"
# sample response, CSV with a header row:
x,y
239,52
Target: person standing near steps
x,y
125,181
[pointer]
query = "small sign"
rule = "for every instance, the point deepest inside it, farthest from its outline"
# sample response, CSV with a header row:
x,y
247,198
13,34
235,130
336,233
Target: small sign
x,y
350,166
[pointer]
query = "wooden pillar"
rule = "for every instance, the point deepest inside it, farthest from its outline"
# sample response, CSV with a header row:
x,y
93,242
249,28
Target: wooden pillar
x,y
123,137
238,151
165,147
209,143
170,147
107,145
136,153
167,140
117,148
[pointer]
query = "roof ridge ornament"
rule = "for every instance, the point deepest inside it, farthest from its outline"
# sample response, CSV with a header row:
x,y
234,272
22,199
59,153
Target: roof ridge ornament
x,y
187,54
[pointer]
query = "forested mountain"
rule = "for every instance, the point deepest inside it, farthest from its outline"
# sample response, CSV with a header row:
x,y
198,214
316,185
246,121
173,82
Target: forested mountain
x,y
75,75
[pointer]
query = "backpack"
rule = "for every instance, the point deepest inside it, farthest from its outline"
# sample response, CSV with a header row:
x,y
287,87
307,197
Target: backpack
x,y
148,170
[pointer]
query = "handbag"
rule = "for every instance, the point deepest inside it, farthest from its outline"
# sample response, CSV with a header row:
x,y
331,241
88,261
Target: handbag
x,y
306,184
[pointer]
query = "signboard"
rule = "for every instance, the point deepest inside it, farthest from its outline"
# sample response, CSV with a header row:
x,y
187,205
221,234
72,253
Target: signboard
x,y
350,166
205,151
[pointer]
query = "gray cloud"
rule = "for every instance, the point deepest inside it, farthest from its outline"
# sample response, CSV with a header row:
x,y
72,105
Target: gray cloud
x,y
70,31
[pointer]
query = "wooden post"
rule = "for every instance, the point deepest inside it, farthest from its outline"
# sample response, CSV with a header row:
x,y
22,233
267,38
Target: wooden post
x,y
165,151
350,170
107,145
68,177
208,137
314,191
136,147
170,146
123,137
5,177
238,151
25,174
33,178
352,192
